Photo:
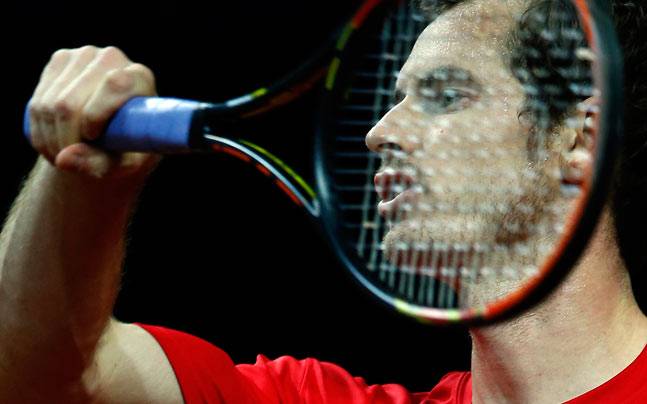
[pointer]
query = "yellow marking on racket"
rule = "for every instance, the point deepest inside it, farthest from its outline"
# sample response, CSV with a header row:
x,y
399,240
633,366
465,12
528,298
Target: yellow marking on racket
x,y
260,92
332,73
453,315
405,308
401,306
345,35
284,166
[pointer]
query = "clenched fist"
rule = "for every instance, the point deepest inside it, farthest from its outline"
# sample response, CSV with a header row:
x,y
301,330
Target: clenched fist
x,y
79,91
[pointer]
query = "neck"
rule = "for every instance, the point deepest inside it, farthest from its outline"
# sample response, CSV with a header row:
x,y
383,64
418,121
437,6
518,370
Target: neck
x,y
585,333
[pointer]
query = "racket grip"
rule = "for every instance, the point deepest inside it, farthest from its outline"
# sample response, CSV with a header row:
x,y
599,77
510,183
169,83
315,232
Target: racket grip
x,y
146,124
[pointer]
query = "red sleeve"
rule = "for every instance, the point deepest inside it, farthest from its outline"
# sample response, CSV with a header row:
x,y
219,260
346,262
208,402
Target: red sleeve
x,y
453,388
206,374
627,387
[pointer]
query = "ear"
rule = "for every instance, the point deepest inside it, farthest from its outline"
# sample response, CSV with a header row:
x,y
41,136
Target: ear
x,y
578,136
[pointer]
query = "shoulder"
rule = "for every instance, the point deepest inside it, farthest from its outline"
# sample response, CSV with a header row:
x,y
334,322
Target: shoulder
x,y
129,366
454,387
313,380
204,370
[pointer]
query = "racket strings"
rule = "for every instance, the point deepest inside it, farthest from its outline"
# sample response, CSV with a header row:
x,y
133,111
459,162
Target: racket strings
x,y
397,43
421,272
460,236
398,50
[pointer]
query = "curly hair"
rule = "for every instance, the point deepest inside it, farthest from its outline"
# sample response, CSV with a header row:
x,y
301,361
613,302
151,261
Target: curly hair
x,y
629,198
551,94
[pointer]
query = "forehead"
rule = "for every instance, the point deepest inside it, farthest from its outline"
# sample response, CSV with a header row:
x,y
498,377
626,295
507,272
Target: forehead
x,y
471,36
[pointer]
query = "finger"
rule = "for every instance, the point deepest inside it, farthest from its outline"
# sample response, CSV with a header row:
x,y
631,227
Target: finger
x,y
50,104
40,122
88,160
52,70
72,99
140,163
117,87
84,159
36,136
42,126
78,61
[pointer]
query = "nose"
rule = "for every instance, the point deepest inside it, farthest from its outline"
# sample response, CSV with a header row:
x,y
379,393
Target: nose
x,y
396,130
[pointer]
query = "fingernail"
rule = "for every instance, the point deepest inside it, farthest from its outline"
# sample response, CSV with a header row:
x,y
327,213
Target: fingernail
x,y
73,162
78,161
97,166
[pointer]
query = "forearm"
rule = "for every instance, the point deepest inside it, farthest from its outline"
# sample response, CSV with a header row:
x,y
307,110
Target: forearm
x,y
61,252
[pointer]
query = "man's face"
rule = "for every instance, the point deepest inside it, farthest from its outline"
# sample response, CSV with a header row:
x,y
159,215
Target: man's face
x,y
456,172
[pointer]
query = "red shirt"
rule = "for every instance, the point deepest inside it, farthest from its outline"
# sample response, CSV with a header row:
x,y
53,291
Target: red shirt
x,y
206,374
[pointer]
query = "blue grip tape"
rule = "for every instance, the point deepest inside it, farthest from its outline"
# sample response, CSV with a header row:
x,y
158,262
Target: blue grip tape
x,y
146,124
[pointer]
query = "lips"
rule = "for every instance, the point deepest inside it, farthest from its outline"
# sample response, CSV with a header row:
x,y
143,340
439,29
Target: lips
x,y
398,191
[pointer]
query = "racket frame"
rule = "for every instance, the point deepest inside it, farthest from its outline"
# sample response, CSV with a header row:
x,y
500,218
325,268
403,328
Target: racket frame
x,y
608,73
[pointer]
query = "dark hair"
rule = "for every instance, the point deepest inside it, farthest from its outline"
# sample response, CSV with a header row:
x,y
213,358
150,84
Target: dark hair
x,y
539,63
629,198
556,90
433,8
542,50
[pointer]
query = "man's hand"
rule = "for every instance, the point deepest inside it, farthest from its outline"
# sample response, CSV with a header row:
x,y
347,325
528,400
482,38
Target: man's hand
x,y
62,247
79,91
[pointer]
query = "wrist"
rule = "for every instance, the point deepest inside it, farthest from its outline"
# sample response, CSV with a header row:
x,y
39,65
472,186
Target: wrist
x,y
70,183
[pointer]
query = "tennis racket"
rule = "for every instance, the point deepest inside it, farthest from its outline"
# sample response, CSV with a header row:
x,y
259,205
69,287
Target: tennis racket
x,y
488,161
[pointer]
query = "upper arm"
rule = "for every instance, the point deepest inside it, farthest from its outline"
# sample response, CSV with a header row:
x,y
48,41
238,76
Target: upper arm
x,y
131,367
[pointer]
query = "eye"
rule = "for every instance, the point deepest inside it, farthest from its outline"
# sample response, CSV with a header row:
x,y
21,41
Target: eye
x,y
450,97
443,99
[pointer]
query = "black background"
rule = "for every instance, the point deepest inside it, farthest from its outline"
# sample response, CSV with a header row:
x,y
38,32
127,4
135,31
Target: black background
x,y
215,249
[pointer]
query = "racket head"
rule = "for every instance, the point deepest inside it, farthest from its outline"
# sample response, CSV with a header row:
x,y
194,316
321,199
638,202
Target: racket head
x,y
510,230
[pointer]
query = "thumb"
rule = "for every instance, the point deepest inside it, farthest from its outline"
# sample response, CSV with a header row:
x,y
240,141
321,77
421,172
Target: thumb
x,y
88,160
84,159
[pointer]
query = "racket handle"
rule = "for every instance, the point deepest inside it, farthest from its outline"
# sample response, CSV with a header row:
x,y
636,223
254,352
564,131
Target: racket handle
x,y
146,124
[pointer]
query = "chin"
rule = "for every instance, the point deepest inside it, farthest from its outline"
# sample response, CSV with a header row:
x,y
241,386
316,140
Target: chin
x,y
447,230
453,239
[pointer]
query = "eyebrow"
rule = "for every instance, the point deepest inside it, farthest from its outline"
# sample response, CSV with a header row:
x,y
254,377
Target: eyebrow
x,y
439,75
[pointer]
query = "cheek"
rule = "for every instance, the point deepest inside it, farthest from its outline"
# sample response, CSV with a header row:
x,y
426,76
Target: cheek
x,y
473,146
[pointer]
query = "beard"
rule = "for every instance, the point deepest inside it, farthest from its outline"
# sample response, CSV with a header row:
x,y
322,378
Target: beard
x,y
496,239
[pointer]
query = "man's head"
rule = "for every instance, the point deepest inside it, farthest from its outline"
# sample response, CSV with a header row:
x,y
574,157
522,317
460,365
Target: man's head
x,y
628,196
482,76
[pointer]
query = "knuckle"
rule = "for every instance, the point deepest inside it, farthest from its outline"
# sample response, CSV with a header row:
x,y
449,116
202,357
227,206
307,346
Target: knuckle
x,y
46,111
143,72
64,107
90,117
118,81
110,56
61,54
91,123
111,53
85,53
87,50
35,107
